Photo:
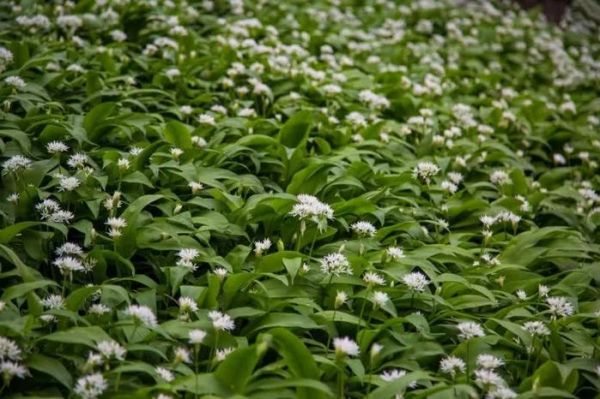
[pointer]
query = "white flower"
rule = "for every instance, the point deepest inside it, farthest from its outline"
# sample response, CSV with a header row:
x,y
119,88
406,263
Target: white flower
x,y
76,68
111,349
395,253
164,374
199,141
425,171
559,306
187,304
448,186
469,329
416,281
78,160
391,375
221,321
123,163
452,365
9,370
98,309
309,206
186,110
69,248
375,349
499,178
186,258
195,187
9,349
340,299
332,89
488,361
176,152
372,278
246,113
6,56
373,100
34,22
142,314
543,290
345,347
196,336
53,302
93,360
13,198
536,328
172,73
206,119
91,386
135,151
336,264
68,264
15,81
501,393
69,21
118,35
380,298
115,225
364,229
487,377
559,159
219,109
221,273
68,183
455,177
488,221
182,355
221,354
61,216
55,147
356,119
262,246
48,318
15,164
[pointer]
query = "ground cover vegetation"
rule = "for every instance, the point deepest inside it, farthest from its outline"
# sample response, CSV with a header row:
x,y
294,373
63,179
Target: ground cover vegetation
x,y
297,199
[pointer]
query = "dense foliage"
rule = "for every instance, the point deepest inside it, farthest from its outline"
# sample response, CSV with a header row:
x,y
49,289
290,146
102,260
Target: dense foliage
x,y
297,199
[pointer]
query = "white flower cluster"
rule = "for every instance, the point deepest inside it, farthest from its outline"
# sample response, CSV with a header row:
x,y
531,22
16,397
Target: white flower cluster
x,y
262,246
373,100
115,226
71,258
469,329
186,258
91,386
142,314
416,281
425,171
51,211
309,206
363,229
221,321
345,346
10,356
15,164
335,264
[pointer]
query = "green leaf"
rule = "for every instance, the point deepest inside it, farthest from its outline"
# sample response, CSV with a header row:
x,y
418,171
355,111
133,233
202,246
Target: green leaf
x,y
88,336
19,290
289,320
294,131
52,367
235,371
178,134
